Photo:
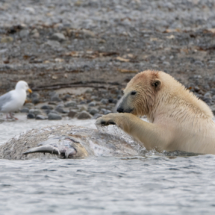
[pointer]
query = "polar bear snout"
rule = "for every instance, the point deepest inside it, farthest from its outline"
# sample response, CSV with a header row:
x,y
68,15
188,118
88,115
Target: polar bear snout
x,y
120,110
127,103
123,106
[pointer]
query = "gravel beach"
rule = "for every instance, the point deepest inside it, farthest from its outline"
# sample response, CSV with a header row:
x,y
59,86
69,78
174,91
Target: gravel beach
x,y
77,56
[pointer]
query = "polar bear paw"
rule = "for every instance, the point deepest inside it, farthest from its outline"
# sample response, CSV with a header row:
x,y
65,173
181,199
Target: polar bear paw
x,y
106,120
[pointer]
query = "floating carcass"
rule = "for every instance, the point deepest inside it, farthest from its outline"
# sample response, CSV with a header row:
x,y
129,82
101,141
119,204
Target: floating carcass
x,y
66,141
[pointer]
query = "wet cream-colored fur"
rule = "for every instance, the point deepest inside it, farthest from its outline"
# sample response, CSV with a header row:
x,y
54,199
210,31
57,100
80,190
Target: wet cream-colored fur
x,y
178,120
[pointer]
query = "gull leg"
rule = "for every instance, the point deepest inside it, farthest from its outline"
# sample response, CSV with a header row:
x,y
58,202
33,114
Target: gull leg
x,y
7,116
12,117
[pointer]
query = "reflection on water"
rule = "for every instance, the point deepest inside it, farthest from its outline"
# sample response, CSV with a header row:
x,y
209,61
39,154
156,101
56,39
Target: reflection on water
x,y
148,184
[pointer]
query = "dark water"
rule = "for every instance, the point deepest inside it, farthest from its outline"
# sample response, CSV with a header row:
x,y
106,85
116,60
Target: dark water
x,y
154,184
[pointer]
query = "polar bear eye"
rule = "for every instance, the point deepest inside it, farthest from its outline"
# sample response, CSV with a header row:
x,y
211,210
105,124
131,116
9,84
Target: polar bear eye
x,y
133,93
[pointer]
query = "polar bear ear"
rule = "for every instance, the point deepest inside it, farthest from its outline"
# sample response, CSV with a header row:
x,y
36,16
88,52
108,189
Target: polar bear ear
x,y
156,84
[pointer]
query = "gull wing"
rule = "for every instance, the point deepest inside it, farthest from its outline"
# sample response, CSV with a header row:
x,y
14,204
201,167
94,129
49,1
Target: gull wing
x,y
4,99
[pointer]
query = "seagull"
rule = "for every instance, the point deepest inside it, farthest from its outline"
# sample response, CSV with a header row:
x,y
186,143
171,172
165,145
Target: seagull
x,y
14,99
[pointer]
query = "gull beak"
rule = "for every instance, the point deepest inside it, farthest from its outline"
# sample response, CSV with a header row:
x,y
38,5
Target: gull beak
x,y
29,90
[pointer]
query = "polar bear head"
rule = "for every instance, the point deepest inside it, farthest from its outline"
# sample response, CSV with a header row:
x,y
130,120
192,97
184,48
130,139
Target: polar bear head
x,y
155,92
140,93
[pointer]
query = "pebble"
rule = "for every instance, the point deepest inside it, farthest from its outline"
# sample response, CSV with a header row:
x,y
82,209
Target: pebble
x,y
29,105
55,98
199,63
82,102
24,110
35,33
53,44
207,95
53,111
91,104
52,103
54,116
35,112
206,100
197,76
166,63
71,104
94,97
196,89
114,101
97,116
93,111
60,109
35,98
30,9
46,107
88,33
24,33
58,37
46,111
110,100
105,111
213,91
213,109
41,117
36,61
72,113
83,115
82,107
6,39
66,97
104,101
30,116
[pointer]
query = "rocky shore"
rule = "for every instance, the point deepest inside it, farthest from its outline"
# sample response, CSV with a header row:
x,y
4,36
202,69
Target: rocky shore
x,y
84,103
77,56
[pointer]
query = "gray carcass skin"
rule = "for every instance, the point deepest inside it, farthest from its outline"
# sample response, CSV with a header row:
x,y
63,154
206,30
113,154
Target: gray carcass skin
x,y
66,141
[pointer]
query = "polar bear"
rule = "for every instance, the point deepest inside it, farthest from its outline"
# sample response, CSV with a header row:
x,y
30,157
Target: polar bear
x,y
178,120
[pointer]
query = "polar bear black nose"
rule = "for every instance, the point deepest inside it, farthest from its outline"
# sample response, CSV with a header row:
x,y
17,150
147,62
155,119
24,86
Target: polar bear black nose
x,y
120,110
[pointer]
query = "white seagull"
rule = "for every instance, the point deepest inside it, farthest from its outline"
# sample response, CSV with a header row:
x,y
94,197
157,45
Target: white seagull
x,y
14,99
